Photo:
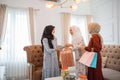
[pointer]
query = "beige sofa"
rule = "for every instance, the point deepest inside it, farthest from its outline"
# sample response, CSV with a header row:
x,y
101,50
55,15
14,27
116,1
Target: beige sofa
x,y
111,62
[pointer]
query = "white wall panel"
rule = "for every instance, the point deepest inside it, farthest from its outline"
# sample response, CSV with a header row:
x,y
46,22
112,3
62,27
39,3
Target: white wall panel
x,y
105,13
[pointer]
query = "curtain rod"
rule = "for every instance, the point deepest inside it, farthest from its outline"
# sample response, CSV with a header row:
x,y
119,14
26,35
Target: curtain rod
x,y
22,7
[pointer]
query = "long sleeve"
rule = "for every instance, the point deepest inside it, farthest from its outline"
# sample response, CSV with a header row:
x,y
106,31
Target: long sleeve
x,y
78,41
46,46
94,43
55,42
97,46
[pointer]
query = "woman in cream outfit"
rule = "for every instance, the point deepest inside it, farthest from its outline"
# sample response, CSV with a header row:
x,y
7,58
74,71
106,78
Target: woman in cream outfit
x,y
77,40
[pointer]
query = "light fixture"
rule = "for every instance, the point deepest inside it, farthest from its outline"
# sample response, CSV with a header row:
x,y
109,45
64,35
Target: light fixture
x,y
50,5
73,5
77,1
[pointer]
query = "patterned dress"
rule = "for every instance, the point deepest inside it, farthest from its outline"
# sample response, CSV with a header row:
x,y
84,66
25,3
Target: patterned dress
x,y
95,43
50,63
80,68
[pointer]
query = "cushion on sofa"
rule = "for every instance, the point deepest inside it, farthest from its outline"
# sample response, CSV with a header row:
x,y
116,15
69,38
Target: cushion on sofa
x,y
110,74
104,60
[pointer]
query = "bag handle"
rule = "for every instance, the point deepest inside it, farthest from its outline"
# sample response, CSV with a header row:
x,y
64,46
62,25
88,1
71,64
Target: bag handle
x,y
92,49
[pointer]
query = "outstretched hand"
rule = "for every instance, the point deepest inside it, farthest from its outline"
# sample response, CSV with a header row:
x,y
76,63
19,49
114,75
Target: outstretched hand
x,y
57,49
82,48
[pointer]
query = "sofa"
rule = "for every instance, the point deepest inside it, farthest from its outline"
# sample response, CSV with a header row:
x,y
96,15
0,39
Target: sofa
x,y
111,62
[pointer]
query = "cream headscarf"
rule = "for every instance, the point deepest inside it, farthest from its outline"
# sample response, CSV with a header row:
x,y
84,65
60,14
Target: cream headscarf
x,y
77,38
94,28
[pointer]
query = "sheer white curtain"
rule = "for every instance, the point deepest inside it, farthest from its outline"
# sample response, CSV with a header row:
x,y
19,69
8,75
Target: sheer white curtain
x,y
82,22
16,37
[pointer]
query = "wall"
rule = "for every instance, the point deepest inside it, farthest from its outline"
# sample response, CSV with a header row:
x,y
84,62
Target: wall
x,y
45,16
119,18
106,13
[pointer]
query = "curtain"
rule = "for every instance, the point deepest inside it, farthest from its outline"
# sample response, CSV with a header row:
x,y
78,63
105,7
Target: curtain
x,y
17,36
88,19
2,19
31,19
65,19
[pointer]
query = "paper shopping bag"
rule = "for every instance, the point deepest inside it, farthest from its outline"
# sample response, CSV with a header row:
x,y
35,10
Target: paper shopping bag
x,y
88,59
66,57
94,61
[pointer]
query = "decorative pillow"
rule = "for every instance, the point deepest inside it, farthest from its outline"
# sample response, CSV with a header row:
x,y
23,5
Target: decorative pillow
x,y
104,60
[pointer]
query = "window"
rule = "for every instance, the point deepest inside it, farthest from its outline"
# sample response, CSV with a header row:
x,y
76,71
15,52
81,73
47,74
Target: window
x,y
16,37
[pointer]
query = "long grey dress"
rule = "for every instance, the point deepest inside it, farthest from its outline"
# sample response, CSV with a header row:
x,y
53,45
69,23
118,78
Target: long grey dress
x,y
50,63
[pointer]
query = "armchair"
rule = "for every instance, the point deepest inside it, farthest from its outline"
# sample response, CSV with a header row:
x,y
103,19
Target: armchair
x,y
35,60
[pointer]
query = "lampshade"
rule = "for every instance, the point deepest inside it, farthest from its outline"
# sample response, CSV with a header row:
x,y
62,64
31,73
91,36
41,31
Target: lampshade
x,y
73,6
50,5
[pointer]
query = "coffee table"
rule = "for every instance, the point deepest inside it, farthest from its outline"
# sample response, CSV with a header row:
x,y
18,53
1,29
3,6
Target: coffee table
x,y
54,78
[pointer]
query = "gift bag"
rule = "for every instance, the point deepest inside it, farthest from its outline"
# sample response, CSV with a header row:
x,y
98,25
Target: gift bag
x,y
94,61
89,59
86,58
66,58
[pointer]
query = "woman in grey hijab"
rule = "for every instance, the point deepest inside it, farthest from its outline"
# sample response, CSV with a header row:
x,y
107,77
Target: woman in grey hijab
x,y
49,47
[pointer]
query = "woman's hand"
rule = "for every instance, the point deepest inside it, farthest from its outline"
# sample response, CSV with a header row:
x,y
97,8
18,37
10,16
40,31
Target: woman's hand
x,y
57,49
82,48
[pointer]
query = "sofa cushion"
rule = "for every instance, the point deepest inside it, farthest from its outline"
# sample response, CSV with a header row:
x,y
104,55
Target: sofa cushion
x,y
110,74
37,57
104,60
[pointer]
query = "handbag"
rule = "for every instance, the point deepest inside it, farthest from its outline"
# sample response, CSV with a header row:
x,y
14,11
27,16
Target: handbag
x,y
89,59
